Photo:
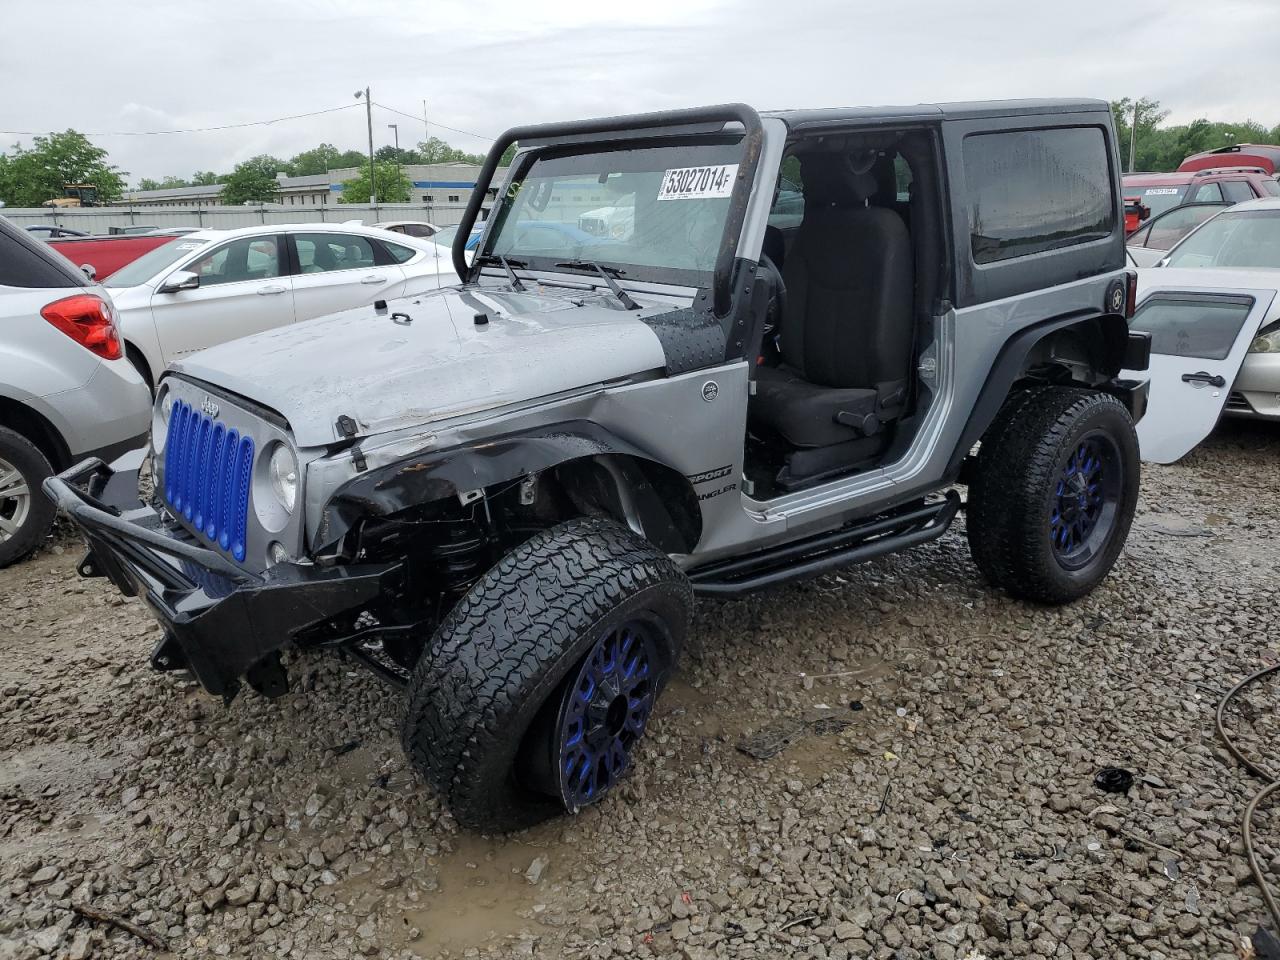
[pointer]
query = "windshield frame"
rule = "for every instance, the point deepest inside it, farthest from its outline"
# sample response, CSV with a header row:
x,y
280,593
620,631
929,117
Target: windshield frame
x,y
627,270
636,127
1228,214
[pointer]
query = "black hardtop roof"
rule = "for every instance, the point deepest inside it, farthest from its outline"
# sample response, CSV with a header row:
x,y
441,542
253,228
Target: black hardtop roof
x,y
923,112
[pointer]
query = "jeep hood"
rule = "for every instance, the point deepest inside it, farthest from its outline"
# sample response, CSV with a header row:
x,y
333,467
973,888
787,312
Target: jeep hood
x,y
424,359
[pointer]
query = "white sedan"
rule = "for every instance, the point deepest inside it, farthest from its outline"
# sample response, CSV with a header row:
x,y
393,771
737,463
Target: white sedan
x,y
212,286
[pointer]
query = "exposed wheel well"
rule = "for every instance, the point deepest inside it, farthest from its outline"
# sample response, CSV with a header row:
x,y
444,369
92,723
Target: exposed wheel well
x,y
654,500
1085,352
22,419
139,361
1089,352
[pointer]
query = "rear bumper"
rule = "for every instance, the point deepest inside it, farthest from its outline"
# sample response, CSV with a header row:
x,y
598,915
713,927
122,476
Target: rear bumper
x,y
221,622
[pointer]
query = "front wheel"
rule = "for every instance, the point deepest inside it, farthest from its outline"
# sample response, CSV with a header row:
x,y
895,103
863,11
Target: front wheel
x,y
1053,493
532,695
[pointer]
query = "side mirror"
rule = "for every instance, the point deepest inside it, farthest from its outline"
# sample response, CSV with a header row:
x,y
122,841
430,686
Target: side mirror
x,y
1144,213
89,271
180,280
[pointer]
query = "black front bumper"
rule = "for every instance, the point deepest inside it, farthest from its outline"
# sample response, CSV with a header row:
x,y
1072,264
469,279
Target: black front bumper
x,y
221,622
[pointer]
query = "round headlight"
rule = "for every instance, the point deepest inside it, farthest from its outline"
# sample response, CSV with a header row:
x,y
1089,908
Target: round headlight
x,y
166,405
283,471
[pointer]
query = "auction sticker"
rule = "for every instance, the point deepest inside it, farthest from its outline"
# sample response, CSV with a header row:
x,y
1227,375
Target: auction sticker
x,y
698,183
1161,191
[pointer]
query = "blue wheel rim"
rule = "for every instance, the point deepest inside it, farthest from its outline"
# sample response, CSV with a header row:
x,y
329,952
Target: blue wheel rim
x,y
604,713
1082,509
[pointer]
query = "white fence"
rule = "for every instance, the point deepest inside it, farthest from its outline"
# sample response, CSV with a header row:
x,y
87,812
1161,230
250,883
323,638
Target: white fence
x,y
98,220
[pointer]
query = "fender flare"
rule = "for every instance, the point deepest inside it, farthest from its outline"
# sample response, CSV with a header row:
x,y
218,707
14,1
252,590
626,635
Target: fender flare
x,y
429,476
1010,364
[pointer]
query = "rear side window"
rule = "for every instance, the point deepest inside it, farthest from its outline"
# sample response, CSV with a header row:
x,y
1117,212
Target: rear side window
x,y
27,262
1192,327
1037,190
400,254
1207,193
1237,190
1271,187
325,252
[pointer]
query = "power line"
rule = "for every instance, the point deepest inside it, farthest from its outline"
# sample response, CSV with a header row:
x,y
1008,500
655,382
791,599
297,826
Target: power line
x,y
437,123
161,133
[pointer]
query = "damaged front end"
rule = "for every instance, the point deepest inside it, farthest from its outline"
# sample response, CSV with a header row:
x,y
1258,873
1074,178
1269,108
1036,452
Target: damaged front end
x,y
221,622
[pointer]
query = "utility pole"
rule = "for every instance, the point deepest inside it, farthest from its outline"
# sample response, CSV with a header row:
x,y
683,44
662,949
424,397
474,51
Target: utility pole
x,y
396,128
426,131
368,109
1133,137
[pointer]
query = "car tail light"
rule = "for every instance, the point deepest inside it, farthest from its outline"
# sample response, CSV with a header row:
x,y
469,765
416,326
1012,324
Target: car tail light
x,y
1130,294
88,320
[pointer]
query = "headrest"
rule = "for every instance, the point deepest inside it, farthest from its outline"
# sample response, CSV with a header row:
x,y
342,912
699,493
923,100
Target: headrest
x,y
835,178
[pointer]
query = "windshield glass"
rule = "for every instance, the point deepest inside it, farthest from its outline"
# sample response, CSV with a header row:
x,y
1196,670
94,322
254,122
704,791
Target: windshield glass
x,y
1159,199
152,262
1245,238
650,213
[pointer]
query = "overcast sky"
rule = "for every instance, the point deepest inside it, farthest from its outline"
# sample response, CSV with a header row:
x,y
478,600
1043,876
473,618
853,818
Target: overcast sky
x,y
139,65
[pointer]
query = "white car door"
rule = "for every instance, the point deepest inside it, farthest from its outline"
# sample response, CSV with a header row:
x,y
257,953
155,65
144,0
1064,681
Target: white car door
x,y
1198,342
243,289
338,271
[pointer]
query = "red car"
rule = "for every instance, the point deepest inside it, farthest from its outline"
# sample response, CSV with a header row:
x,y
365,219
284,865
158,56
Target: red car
x,y
1164,191
107,254
1261,155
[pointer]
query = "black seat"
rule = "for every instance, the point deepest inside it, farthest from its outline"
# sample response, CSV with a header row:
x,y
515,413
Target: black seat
x,y
847,334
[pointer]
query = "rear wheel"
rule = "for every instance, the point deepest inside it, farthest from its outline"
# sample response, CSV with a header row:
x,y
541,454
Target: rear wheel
x,y
532,696
1053,493
26,514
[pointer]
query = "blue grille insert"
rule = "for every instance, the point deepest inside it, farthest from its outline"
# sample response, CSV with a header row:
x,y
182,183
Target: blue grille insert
x,y
207,472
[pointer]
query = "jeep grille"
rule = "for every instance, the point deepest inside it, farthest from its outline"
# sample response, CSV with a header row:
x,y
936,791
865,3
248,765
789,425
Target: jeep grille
x,y
207,469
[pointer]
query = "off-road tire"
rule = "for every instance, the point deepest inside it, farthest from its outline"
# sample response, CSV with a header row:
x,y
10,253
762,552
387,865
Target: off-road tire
x,y
508,645
26,457
1015,477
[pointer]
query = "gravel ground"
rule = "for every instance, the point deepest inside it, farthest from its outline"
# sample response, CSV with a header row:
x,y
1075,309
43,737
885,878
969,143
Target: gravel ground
x,y
936,800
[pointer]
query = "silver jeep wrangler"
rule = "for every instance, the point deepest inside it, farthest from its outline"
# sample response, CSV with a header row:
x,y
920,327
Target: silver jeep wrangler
x,y
698,352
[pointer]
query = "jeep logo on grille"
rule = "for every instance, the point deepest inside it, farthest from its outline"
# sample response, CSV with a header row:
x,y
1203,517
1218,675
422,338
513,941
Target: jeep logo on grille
x,y
209,407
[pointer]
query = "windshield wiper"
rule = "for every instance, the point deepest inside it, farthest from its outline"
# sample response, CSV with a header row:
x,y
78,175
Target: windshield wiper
x,y
607,273
507,266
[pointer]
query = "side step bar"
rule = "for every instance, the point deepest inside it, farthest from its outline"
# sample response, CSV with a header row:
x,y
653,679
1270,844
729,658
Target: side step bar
x,y
826,551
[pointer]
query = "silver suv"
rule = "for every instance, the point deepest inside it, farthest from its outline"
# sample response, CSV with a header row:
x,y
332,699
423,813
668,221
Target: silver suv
x,y
66,391
505,495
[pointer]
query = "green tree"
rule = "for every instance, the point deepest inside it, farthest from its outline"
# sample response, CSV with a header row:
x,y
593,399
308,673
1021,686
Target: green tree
x,y
393,186
399,155
317,160
435,150
205,178
253,181
40,172
1149,116
350,158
